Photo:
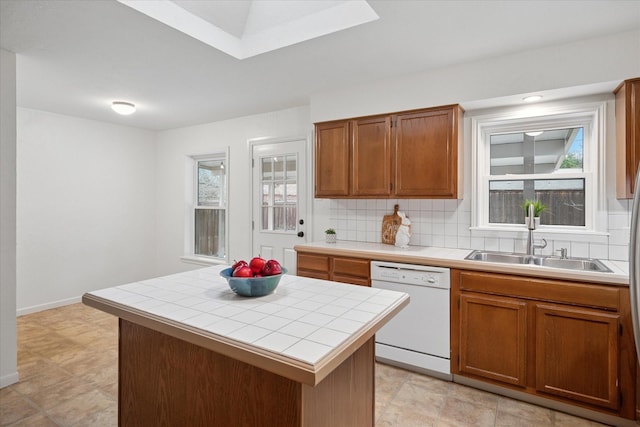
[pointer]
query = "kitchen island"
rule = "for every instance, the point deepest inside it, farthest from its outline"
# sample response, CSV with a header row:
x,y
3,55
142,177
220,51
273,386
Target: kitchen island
x,y
191,352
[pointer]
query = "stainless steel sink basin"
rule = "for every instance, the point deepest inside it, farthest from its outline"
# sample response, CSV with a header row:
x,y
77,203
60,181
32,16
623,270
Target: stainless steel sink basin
x,y
579,264
499,257
571,264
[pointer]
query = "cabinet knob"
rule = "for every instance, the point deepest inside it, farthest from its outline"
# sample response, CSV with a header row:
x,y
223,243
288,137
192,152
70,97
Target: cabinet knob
x,y
300,233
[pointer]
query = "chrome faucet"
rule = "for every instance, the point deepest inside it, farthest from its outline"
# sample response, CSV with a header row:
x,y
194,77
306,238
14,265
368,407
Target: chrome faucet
x,y
531,225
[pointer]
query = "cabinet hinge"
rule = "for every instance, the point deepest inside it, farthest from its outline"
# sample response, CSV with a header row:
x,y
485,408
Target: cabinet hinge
x,y
620,399
620,329
252,225
458,303
253,163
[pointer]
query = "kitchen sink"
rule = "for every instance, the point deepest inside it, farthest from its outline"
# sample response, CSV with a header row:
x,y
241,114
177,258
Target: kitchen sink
x,y
499,257
580,264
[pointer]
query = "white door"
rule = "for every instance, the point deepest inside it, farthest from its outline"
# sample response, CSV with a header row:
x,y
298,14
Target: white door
x,y
279,200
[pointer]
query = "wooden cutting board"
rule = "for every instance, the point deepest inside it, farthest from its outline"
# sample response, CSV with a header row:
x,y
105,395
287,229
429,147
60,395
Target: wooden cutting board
x,y
390,224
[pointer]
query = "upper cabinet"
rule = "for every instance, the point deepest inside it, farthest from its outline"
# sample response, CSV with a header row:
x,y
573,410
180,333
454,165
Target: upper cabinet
x,y
371,157
627,136
426,153
332,159
414,154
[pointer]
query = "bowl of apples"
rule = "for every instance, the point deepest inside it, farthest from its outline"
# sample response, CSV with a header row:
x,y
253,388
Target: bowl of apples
x,y
255,278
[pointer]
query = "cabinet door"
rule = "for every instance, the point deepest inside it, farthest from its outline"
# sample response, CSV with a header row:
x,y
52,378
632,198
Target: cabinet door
x,y
493,337
332,159
426,154
577,354
371,156
627,137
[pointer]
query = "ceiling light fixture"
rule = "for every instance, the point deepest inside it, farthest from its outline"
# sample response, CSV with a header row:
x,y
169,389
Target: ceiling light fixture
x,y
124,108
532,98
534,133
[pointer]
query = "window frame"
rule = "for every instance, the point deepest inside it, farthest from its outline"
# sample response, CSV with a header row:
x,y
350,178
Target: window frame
x,y
191,198
590,116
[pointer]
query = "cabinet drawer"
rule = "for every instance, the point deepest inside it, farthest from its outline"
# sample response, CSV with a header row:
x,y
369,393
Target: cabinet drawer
x,y
351,267
313,262
588,295
361,281
313,274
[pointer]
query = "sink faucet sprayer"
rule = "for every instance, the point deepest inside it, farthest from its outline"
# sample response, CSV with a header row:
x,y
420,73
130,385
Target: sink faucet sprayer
x,y
531,225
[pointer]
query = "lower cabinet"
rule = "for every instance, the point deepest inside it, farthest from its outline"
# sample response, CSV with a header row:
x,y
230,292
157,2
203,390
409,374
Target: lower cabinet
x,y
493,338
561,340
577,354
339,269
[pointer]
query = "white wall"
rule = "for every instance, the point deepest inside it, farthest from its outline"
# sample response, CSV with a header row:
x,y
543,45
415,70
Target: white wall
x,y
86,207
174,146
611,58
8,339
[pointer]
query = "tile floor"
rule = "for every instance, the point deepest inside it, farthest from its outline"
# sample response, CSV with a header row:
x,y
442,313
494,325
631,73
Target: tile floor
x,y
67,361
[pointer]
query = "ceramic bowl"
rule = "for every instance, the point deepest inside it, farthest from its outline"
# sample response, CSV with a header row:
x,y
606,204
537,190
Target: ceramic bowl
x,y
252,286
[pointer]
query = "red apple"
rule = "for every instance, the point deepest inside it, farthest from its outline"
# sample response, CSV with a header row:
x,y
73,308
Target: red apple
x,y
242,271
271,268
257,264
237,264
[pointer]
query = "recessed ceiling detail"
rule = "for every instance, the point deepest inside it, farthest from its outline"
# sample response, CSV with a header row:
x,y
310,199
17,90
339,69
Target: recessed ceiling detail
x,y
245,28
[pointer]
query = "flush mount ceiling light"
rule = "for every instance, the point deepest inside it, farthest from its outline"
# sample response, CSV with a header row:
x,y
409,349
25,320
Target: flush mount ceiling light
x,y
534,133
532,98
245,28
124,108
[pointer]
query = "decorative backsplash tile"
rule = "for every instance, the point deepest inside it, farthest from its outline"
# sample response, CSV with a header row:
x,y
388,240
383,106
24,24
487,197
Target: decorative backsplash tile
x,y
447,223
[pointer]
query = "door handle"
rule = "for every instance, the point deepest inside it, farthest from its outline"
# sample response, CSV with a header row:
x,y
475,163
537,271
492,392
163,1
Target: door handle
x,y
300,233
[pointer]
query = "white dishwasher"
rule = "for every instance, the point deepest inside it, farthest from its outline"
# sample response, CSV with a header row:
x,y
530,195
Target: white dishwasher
x,y
417,338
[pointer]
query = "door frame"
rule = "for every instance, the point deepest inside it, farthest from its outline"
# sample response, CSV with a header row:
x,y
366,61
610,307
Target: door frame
x,y
308,199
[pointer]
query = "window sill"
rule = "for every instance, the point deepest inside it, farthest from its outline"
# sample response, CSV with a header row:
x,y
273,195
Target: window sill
x,y
550,232
192,259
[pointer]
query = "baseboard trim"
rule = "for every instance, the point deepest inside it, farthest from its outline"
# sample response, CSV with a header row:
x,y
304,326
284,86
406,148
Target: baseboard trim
x,y
47,306
548,403
9,379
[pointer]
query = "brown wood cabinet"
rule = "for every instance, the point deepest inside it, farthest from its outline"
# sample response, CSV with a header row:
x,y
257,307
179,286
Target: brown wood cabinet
x,y
408,154
493,336
566,341
339,269
426,153
332,159
577,354
627,136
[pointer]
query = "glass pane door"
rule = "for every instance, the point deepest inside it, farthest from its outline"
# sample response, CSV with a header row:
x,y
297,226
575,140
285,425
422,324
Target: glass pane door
x,y
279,187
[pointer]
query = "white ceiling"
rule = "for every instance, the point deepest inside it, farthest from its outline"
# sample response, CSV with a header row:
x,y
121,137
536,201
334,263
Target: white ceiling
x,y
75,56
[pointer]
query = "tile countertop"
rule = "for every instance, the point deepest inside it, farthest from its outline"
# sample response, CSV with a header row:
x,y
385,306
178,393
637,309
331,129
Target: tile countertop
x,y
302,331
454,258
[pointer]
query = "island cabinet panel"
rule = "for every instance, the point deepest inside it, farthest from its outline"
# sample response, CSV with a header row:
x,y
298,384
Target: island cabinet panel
x,y
371,154
409,154
569,342
332,160
627,136
493,336
164,381
426,156
355,271
577,354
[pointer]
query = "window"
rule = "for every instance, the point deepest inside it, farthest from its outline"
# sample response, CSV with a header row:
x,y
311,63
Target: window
x,y
554,157
279,185
209,212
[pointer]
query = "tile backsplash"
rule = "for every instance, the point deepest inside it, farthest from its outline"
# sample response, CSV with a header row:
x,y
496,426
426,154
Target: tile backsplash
x,y
447,223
